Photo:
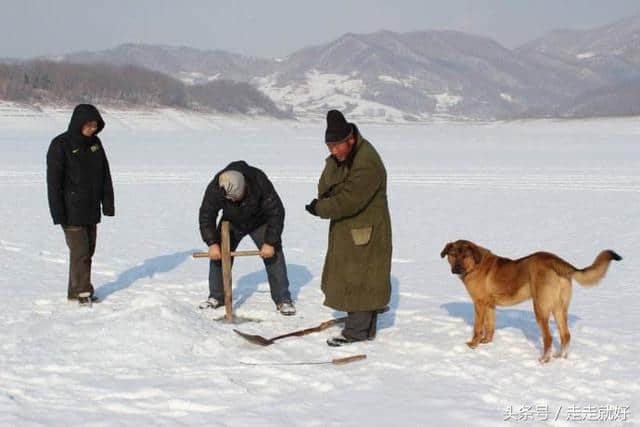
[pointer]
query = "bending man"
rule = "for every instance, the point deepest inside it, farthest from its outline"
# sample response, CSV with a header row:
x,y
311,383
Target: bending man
x,y
250,203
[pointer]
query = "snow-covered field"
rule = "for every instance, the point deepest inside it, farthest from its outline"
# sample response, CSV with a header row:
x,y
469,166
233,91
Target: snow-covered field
x,y
147,355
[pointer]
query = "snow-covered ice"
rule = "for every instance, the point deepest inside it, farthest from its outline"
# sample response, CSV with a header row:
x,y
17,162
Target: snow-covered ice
x,y
147,355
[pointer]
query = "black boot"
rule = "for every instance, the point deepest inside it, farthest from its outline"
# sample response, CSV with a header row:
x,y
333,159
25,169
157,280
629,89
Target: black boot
x,y
85,298
339,341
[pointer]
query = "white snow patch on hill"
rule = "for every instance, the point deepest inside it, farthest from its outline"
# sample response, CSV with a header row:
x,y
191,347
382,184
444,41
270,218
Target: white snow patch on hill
x,y
445,101
586,55
506,97
407,82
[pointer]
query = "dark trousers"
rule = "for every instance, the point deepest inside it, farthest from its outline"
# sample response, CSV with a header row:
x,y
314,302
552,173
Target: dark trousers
x,y
275,266
81,240
361,325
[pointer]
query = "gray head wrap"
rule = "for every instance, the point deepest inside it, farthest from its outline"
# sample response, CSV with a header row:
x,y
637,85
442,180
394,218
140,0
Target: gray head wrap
x,y
232,182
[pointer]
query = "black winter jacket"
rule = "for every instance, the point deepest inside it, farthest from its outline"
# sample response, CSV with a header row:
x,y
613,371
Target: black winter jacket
x,y
78,176
261,205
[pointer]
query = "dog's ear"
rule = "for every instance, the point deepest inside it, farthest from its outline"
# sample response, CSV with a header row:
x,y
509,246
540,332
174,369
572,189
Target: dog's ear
x,y
446,250
477,255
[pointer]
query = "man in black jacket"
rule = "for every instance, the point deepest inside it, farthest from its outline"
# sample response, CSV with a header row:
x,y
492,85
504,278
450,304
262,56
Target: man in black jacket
x,y
250,203
78,182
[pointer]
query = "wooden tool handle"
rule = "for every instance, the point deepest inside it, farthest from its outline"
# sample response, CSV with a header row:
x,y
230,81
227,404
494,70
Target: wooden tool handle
x,y
245,253
236,253
322,326
200,255
348,359
225,248
329,323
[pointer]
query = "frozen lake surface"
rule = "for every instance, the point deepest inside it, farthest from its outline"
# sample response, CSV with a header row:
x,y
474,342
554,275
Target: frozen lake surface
x,y
147,355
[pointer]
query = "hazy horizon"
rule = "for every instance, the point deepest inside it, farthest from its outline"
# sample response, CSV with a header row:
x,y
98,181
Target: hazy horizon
x,y
39,28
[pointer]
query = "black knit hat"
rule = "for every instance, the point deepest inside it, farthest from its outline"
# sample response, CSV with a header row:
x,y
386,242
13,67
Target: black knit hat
x,y
337,127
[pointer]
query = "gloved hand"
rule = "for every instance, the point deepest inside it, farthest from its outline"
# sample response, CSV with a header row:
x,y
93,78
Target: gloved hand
x,y
311,207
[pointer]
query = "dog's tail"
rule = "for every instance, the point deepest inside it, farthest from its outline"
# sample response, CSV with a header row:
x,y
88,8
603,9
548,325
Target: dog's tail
x,y
591,276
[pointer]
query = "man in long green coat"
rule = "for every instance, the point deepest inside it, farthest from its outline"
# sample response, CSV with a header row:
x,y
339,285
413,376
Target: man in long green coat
x,y
352,193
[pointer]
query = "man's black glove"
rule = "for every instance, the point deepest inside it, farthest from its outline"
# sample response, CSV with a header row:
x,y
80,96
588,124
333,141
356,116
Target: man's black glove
x,y
311,207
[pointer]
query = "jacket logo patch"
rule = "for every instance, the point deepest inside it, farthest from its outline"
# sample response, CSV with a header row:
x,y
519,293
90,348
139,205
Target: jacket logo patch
x,y
94,148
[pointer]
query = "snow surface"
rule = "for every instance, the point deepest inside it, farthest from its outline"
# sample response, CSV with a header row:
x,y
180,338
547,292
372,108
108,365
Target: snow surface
x,y
147,355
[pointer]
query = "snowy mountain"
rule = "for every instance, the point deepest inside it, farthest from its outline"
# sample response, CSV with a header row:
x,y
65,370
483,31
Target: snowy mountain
x,y
419,75
616,41
430,73
583,61
188,64
383,74
614,100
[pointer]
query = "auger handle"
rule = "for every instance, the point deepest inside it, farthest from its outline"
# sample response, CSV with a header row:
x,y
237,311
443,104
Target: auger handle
x,y
236,253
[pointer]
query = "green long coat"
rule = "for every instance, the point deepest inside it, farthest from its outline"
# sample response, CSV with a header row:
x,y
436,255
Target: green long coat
x,y
353,195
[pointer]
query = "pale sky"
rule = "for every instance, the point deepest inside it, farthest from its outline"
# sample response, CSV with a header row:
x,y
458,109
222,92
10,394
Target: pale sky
x,y
273,28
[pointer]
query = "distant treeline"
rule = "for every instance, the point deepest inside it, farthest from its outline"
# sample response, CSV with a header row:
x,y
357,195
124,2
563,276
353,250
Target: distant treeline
x,y
48,82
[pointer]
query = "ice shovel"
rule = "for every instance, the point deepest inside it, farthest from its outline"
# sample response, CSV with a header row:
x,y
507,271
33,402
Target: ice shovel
x,y
257,339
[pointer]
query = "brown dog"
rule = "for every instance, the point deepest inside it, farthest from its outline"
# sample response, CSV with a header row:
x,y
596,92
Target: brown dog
x,y
544,277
